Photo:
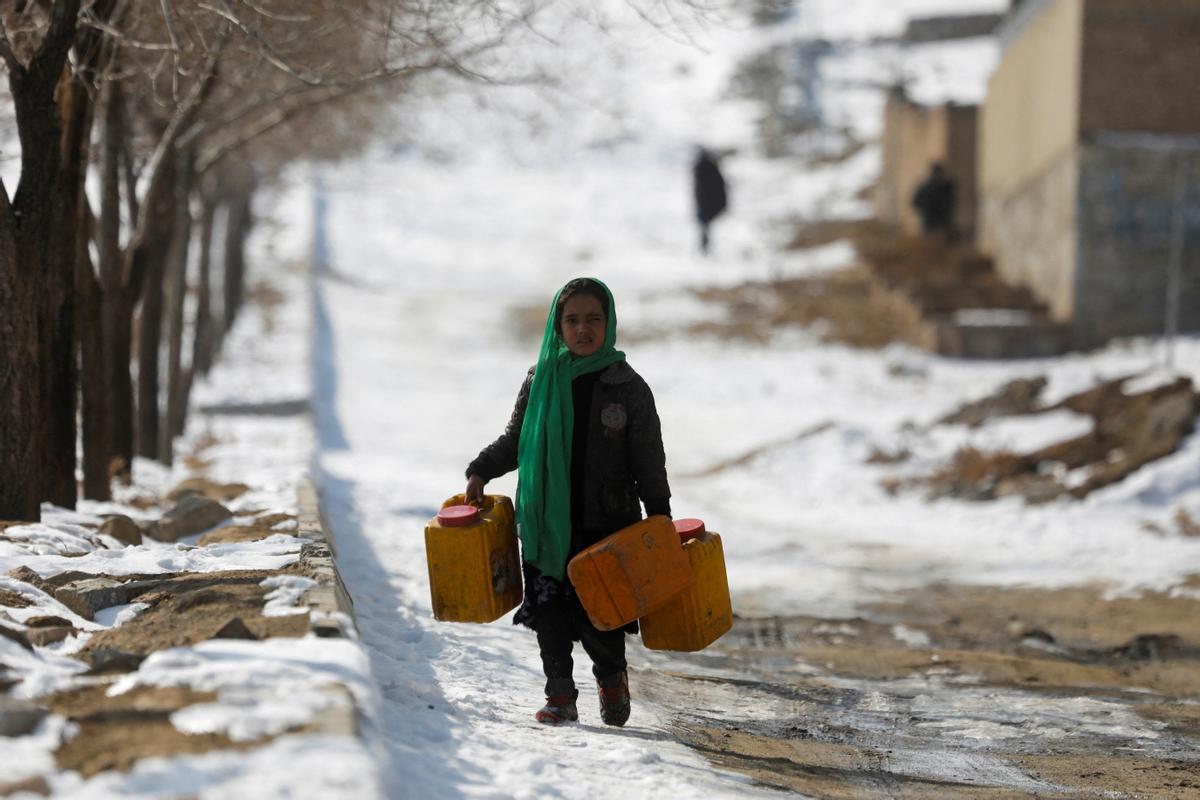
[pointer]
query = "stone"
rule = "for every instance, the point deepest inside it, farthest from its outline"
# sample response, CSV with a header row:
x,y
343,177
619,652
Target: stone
x,y
112,659
27,575
223,492
234,629
192,514
34,785
40,637
237,533
12,599
19,717
93,594
123,529
15,635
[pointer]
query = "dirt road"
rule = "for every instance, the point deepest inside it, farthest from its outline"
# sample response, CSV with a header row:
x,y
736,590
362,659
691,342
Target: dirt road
x,y
954,692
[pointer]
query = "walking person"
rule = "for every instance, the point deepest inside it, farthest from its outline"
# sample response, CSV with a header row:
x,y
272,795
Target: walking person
x,y
934,202
585,438
708,186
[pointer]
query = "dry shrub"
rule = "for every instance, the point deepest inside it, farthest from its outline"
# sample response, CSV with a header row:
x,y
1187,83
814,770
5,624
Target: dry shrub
x,y
1187,526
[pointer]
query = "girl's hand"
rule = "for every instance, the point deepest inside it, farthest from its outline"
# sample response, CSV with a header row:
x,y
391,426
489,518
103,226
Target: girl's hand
x,y
475,490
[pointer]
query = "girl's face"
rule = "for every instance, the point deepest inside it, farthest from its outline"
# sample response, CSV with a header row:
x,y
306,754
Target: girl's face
x,y
583,325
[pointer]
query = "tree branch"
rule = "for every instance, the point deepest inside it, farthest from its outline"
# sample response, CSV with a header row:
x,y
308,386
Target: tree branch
x,y
6,51
184,116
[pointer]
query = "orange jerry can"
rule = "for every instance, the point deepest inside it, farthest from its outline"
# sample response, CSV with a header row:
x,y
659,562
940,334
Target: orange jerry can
x,y
627,575
702,613
474,562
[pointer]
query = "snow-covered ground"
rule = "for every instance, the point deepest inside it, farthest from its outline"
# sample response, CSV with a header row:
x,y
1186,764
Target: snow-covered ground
x,y
263,688
443,250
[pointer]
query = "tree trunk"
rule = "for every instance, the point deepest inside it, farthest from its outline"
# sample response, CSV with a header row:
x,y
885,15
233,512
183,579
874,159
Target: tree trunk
x,y
58,346
116,298
237,231
20,488
202,344
149,341
117,323
32,253
93,382
176,282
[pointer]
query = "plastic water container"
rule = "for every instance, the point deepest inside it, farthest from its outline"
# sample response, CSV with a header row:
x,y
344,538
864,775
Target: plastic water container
x,y
474,561
627,575
702,613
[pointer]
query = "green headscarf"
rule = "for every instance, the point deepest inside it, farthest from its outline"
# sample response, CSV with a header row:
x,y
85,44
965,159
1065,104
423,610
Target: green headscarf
x,y
544,452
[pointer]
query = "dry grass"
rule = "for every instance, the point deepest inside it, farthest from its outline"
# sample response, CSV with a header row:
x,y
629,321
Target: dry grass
x,y
1187,526
845,306
1128,432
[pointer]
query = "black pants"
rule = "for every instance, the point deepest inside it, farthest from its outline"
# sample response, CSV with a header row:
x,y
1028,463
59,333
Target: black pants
x,y
559,624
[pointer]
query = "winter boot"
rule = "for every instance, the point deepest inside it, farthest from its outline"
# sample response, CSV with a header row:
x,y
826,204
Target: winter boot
x,y
560,702
614,698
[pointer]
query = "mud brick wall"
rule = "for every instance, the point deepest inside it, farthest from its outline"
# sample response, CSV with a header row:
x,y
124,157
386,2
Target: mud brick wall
x,y
1126,209
1031,234
915,136
1140,66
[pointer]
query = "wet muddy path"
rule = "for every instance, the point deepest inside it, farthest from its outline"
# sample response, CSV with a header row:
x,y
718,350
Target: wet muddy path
x,y
953,692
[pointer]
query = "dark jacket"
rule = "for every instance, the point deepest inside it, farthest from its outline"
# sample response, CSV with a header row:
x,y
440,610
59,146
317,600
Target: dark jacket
x,y
625,458
934,201
709,188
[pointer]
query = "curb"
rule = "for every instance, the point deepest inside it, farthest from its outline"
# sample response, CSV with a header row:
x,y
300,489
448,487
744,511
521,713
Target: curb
x,y
331,609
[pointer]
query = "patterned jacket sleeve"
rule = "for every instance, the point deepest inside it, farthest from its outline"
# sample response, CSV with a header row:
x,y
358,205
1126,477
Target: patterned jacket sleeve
x,y
647,459
500,456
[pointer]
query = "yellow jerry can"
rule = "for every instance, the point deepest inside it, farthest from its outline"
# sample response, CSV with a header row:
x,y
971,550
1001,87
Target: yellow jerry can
x,y
702,613
474,561
630,573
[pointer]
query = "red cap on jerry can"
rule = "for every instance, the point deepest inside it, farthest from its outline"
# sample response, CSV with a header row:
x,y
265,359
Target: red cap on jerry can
x,y
458,516
689,528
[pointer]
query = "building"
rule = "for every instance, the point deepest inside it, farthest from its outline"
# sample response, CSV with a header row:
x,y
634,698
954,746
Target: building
x,y
1089,162
914,137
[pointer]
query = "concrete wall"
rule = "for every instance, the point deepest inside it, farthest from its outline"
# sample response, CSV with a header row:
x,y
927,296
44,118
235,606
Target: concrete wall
x,y
1127,203
1030,119
1140,66
1028,130
962,138
1032,236
915,136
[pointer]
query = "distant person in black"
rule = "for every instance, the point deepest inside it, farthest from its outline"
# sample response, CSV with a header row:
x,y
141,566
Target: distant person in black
x,y
934,201
709,188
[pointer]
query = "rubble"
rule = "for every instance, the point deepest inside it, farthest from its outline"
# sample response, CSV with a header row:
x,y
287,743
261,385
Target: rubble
x,y
123,529
192,514
1130,429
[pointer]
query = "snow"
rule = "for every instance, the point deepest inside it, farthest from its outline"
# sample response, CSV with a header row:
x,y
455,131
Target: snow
x,y
443,257
286,592
445,244
1019,434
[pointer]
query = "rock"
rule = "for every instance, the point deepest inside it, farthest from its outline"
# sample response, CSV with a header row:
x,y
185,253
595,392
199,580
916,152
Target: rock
x,y
111,659
40,637
13,600
192,514
35,785
234,629
15,635
223,492
237,533
123,529
1018,396
19,717
91,594
27,575
47,622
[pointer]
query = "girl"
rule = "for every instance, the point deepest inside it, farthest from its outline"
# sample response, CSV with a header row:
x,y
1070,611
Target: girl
x,y
585,438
